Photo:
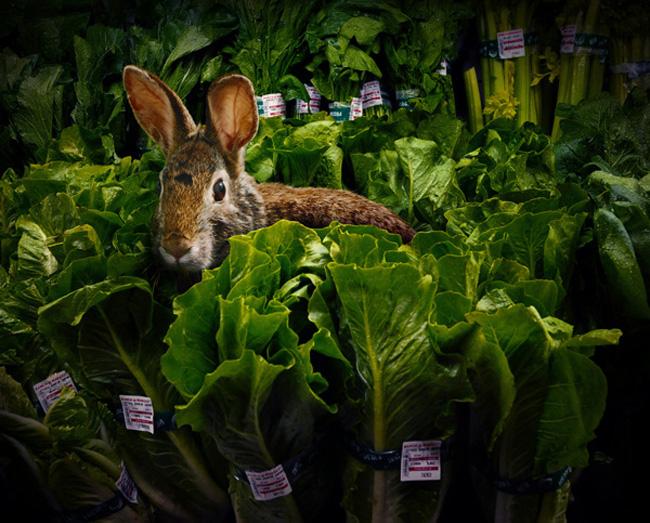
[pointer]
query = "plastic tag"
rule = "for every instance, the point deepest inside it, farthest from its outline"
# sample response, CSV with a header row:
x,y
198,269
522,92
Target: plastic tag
x,y
568,38
421,460
49,390
260,105
269,484
637,69
138,413
342,112
372,94
313,106
403,97
126,485
273,105
511,44
339,111
356,108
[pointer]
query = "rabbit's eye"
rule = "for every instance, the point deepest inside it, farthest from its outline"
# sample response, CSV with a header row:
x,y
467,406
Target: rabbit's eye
x,y
219,190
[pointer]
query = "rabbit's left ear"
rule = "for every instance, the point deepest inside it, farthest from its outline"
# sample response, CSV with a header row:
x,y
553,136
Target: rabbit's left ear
x,y
158,109
232,116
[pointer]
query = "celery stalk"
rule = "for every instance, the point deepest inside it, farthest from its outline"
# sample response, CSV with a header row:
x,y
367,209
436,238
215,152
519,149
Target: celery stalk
x,y
596,74
485,60
578,67
617,79
596,77
497,76
537,89
523,70
582,61
564,88
474,112
580,72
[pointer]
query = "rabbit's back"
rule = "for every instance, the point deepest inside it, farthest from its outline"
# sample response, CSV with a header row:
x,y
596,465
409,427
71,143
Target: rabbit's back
x,y
318,207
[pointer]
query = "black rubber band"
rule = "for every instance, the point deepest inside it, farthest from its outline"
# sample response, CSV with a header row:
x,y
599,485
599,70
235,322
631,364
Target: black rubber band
x,y
549,483
490,48
387,460
296,466
390,459
83,515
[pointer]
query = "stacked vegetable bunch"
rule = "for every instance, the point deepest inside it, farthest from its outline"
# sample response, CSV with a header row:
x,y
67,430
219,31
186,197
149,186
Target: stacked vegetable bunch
x,y
60,68
630,50
301,332
537,56
285,384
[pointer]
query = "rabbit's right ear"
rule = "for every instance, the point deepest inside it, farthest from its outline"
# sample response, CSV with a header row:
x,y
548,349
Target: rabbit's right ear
x,y
158,109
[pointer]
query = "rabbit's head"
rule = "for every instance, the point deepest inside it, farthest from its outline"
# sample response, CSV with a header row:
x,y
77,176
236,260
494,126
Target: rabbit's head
x,y
205,194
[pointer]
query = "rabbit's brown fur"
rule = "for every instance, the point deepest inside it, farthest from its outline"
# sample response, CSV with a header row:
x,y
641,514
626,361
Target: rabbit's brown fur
x,y
318,207
205,194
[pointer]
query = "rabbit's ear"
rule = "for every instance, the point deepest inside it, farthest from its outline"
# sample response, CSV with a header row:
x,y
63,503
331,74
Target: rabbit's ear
x,y
232,116
158,109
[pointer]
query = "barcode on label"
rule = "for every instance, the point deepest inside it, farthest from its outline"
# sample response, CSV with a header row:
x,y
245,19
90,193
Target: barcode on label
x,y
420,460
49,390
138,413
511,44
568,38
126,485
269,484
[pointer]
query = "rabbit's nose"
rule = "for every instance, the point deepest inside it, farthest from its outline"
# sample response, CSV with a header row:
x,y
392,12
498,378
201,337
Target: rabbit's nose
x,y
177,246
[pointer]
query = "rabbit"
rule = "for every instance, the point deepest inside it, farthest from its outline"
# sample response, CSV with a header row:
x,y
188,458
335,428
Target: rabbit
x,y
206,196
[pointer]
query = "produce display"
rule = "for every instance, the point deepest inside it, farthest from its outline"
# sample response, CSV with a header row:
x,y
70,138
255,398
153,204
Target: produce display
x,y
493,369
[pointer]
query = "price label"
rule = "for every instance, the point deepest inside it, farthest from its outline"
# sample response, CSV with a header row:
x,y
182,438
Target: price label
x,y
126,485
372,94
313,106
356,108
568,33
138,413
273,105
269,484
511,44
49,390
421,460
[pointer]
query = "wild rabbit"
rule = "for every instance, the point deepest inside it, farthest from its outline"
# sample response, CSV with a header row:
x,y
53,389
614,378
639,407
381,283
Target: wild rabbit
x,y
205,194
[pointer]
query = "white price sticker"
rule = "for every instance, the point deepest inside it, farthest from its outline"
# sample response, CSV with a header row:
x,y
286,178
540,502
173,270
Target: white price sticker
x,y
49,390
356,108
372,94
313,106
421,460
273,105
138,413
269,484
511,44
568,38
126,485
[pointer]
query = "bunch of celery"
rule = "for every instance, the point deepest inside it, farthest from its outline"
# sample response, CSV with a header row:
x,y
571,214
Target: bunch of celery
x,y
582,71
508,84
630,45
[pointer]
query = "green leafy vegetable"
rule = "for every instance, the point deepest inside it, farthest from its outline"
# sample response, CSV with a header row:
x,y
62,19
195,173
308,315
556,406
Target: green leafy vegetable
x,y
405,384
269,45
550,403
